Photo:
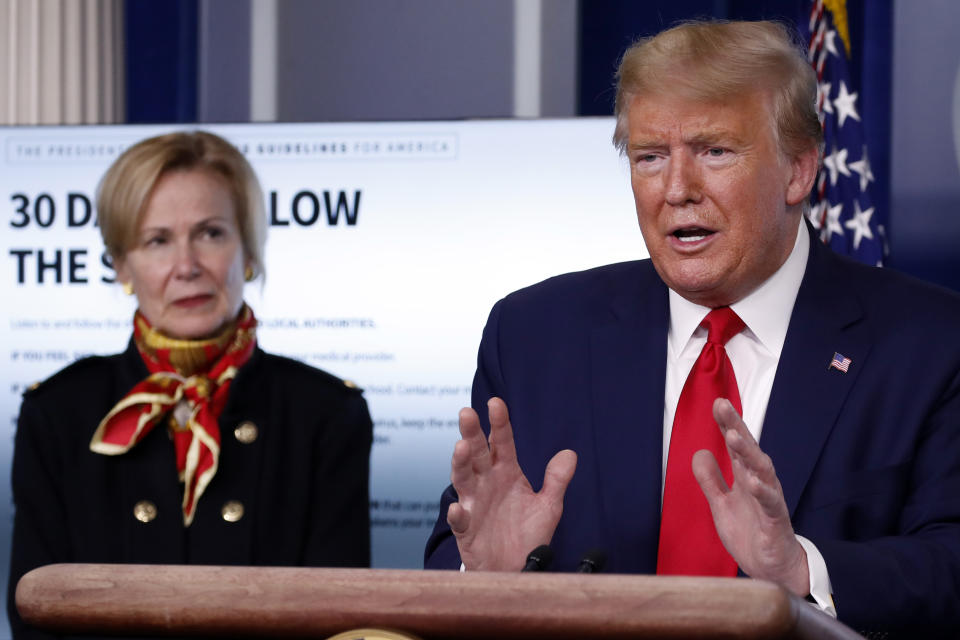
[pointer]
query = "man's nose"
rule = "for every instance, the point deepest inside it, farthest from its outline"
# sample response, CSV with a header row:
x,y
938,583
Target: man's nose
x,y
682,180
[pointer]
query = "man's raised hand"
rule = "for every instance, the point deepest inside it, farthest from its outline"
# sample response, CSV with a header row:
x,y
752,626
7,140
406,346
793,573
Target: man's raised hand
x,y
751,517
499,519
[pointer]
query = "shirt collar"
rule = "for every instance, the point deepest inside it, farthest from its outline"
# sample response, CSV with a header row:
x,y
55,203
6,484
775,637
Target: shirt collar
x,y
766,311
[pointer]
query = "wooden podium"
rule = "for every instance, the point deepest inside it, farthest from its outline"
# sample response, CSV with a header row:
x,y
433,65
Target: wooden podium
x,y
318,603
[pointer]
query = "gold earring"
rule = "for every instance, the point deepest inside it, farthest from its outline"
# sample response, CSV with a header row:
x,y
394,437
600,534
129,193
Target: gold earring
x,y
248,273
128,288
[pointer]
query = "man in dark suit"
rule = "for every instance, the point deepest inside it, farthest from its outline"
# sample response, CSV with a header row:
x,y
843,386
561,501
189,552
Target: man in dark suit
x,y
849,375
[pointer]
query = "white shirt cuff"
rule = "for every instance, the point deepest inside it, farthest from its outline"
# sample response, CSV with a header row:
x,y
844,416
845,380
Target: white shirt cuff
x,y
463,567
820,589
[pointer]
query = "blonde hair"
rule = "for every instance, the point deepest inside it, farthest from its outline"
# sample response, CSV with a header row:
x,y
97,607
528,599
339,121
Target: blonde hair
x,y
712,61
126,187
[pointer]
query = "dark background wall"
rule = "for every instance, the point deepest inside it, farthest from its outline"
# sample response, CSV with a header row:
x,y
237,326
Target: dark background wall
x,y
925,140
458,61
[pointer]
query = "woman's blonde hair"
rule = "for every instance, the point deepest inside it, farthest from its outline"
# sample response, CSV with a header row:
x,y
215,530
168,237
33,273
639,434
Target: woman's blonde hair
x,y
126,187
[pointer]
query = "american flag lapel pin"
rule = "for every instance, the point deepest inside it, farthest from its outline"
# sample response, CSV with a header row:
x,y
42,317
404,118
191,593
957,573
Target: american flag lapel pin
x,y
839,362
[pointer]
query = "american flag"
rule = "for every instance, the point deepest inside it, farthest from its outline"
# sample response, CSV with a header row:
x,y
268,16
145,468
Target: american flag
x,y
840,362
842,208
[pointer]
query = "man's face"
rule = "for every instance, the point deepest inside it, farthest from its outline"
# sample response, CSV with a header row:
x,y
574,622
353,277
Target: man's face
x,y
716,200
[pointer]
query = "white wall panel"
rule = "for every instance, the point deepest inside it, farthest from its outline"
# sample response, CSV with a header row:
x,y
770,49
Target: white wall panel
x,y
60,62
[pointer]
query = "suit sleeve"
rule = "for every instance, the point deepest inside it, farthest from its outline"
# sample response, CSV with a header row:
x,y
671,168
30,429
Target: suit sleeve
x,y
340,528
39,534
909,580
441,551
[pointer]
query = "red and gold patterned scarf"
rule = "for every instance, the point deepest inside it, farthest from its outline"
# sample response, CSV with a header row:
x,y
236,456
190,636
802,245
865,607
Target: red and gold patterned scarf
x,y
188,383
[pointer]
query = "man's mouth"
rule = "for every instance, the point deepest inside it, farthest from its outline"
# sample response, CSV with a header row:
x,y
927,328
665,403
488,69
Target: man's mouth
x,y
692,234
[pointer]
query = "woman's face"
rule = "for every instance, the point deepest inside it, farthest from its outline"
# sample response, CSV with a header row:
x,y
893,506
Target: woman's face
x,y
187,262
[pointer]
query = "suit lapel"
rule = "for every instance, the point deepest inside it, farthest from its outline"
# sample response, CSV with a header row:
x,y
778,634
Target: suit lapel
x,y
807,393
628,356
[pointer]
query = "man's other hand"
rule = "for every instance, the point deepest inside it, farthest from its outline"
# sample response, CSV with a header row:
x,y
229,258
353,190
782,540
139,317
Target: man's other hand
x,y
751,516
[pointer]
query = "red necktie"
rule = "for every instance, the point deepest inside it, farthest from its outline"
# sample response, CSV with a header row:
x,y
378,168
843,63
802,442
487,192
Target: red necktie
x,y
689,544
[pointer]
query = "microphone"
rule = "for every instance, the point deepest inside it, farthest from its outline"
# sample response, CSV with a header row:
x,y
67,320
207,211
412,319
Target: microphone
x,y
592,561
539,559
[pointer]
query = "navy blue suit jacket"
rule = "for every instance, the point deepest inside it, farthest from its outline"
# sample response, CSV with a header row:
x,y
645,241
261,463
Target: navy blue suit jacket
x,y
869,460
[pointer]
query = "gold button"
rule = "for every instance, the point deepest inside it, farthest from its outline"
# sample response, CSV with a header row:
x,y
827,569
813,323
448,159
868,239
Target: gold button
x,y
232,510
246,432
145,511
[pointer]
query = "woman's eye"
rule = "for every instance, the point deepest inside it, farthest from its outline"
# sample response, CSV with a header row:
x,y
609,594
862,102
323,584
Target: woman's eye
x,y
213,232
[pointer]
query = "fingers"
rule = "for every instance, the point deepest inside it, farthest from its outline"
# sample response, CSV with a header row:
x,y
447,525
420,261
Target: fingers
x,y
462,471
752,468
483,452
764,487
470,454
472,434
708,475
458,518
474,456
558,475
502,448
741,445
728,418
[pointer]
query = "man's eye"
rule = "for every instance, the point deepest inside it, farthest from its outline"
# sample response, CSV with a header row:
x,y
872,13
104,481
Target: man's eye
x,y
716,152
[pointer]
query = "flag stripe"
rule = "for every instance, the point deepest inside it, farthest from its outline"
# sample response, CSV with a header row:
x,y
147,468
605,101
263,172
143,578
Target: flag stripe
x,y
842,208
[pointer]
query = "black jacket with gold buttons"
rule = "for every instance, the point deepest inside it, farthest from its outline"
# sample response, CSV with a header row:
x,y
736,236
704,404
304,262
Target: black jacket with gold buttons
x,y
291,487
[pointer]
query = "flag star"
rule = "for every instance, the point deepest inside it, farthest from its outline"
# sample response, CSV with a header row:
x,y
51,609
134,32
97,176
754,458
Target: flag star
x,y
833,220
830,43
860,224
862,166
846,104
815,214
823,97
836,163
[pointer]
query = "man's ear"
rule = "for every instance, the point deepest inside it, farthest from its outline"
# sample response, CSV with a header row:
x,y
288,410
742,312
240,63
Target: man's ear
x,y
803,172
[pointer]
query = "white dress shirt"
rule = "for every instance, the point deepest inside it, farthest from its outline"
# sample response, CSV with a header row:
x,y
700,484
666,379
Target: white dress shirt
x,y
754,354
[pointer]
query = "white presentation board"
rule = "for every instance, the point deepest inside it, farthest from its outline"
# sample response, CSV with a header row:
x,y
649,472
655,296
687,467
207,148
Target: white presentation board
x,y
388,244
